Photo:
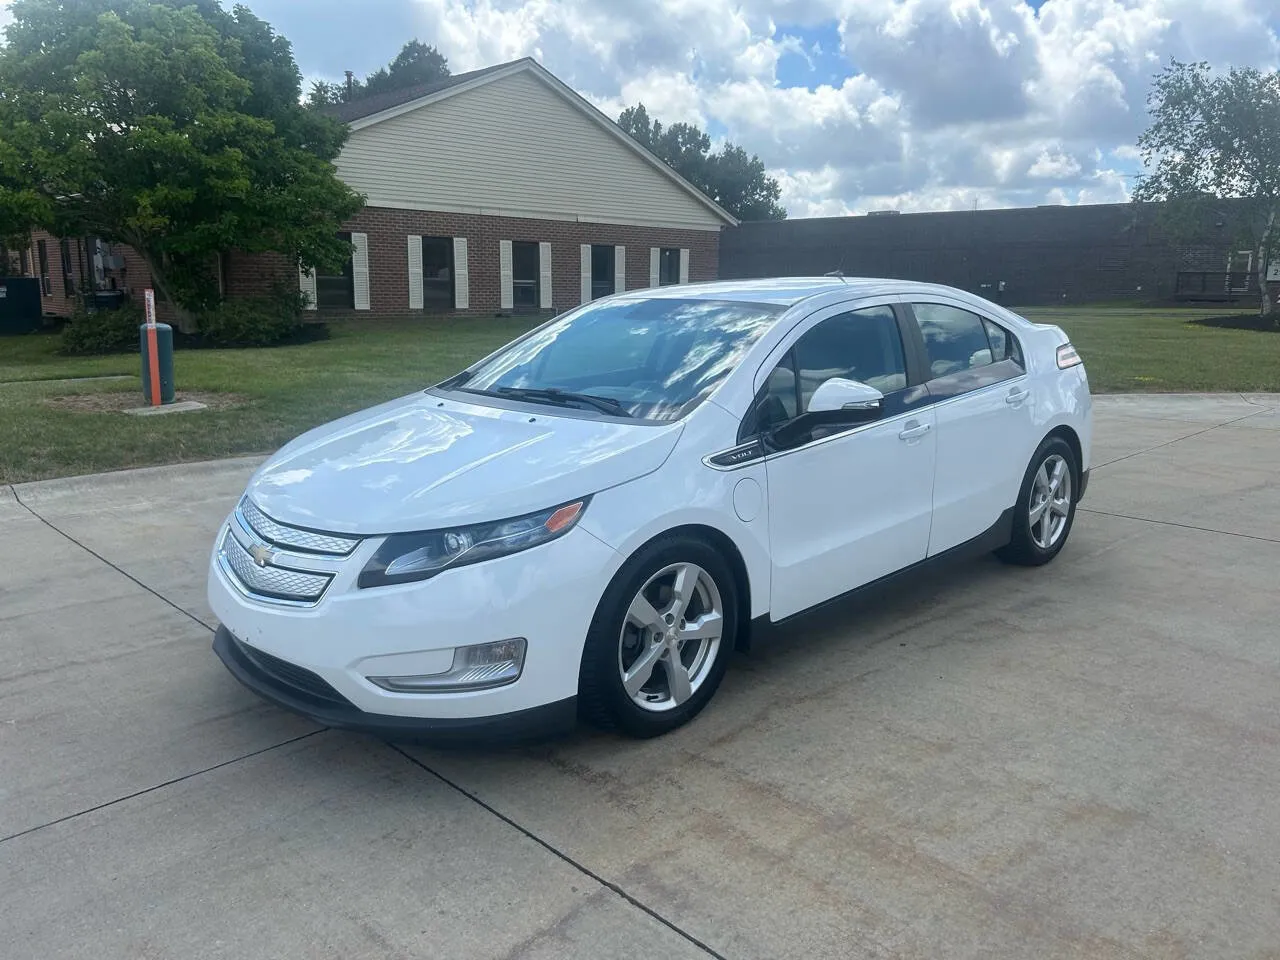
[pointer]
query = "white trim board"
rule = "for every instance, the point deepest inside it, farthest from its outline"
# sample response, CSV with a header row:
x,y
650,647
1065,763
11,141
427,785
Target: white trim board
x,y
371,203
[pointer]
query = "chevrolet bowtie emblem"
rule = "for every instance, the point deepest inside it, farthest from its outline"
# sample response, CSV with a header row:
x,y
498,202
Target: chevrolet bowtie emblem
x,y
262,554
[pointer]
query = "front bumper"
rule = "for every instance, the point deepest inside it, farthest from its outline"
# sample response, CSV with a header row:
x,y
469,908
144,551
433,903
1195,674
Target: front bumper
x,y
303,692
546,595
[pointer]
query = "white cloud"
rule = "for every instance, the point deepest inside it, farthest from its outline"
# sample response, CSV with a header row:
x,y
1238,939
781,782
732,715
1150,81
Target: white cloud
x,y
5,16
944,104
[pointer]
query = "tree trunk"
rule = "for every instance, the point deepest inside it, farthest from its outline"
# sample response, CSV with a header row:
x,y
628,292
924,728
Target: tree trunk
x,y
185,319
1264,247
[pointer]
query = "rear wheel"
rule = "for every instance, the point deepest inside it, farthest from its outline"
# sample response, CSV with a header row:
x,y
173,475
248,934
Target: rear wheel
x,y
1046,505
661,638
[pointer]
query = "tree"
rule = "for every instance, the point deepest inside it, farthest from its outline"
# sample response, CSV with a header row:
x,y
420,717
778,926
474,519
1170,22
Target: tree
x,y
416,63
1216,137
172,126
731,178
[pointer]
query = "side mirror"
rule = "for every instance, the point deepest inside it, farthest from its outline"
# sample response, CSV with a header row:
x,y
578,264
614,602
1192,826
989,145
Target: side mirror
x,y
845,401
836,403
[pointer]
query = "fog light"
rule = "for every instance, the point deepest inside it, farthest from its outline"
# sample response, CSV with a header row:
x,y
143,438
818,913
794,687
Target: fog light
x,y
479,667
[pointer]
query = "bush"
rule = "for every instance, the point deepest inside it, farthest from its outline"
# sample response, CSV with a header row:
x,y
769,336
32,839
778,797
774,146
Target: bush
x,y
254,321
103,331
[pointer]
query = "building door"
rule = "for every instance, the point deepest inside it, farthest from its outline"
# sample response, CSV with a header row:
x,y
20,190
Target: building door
x,y
525,293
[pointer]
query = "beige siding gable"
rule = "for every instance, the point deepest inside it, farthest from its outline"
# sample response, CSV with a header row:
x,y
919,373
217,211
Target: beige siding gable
x,y
513,147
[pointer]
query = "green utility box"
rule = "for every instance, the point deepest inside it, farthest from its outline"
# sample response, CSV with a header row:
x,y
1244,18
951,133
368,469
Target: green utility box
x,y
164,358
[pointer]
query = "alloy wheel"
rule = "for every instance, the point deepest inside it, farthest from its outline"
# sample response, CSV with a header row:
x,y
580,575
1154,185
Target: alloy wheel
x,y
670,637
1050,504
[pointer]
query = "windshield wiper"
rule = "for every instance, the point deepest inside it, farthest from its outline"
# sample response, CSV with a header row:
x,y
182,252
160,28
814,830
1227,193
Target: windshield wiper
x,y
565,398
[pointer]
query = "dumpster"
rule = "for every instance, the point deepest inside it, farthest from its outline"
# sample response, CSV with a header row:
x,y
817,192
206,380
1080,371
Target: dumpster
x,y
19,304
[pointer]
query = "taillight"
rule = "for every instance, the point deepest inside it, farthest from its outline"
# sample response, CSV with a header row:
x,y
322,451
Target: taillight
x,y
1067,357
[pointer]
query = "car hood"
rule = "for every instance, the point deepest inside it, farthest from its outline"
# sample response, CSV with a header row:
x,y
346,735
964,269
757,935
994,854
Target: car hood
x,y
425,462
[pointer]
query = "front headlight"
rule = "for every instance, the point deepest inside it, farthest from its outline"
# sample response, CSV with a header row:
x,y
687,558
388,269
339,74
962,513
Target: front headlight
x,y
405,557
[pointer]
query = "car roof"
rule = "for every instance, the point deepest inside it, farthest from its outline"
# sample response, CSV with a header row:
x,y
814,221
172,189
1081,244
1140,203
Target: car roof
x,y
788,291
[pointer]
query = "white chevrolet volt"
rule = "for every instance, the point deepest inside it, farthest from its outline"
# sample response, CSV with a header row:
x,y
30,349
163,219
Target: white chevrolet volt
x,y
587,522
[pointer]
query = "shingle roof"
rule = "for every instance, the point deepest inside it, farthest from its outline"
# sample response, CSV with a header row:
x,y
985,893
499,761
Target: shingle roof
x,y
367,106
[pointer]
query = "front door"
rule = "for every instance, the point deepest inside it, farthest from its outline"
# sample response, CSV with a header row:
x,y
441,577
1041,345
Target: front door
x,y
846,505
986,429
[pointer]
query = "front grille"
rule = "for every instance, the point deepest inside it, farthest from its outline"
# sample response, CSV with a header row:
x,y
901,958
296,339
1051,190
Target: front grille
x,y
270,582
291,675
294,538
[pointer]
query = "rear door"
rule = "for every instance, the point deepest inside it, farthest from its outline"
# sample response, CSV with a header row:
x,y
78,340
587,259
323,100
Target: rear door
x,y
981,394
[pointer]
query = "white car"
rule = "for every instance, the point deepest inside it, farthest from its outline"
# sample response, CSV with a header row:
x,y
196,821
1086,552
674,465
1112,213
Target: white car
x,y
587,522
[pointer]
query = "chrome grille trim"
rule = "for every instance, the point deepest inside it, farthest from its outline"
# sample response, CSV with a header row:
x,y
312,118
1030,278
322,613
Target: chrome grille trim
x,y
293,538
269,583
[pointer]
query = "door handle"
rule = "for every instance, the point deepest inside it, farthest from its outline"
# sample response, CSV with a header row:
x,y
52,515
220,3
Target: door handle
x,y
1016,396
914,432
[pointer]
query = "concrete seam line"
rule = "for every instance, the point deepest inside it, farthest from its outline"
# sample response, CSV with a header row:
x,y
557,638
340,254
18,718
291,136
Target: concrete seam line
x,y
123,573
555,851
1167,443
159,786
1184,526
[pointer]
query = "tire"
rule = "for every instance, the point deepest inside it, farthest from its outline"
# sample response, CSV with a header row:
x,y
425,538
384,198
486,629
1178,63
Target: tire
x,y
618,643
1027,547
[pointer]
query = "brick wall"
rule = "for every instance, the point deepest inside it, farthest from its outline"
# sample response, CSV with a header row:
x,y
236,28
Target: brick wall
x,y
388,231
1050,254
132,277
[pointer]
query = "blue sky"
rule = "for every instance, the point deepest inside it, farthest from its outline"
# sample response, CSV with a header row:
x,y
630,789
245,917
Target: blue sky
x,y
852,104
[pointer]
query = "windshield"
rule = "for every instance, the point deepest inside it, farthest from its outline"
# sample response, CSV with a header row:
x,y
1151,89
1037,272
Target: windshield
x,y
653,359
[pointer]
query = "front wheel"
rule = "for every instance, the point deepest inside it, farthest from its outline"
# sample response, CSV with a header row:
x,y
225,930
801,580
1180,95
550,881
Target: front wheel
x,y
1046,506
661,639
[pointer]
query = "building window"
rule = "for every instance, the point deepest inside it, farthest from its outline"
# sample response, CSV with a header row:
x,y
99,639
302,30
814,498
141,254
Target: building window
x,y
602,271
337,291
437,273
524,275
42,254
68,271
668,267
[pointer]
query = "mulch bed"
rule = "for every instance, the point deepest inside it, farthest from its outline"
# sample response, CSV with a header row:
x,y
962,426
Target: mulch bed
x,y
116,402
1242,321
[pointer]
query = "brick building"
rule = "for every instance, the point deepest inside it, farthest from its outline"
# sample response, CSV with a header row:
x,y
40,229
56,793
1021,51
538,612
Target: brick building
x,y
1029,255
499,190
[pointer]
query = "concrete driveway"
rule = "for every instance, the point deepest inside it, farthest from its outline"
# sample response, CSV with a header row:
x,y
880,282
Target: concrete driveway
x,y
1079,761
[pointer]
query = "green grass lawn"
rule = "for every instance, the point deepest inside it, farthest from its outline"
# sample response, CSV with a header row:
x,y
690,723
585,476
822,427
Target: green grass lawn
x,y
1128,349
287,390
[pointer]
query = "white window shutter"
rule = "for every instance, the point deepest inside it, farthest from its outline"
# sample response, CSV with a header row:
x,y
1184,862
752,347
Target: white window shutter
x,y
461,275
307,284
586,272
360,269
544,276
619,269
684,266
655,262
506,296
415,272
